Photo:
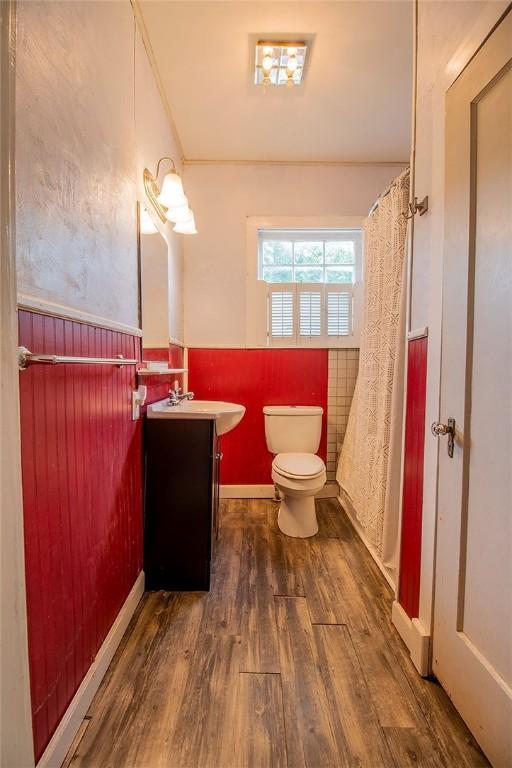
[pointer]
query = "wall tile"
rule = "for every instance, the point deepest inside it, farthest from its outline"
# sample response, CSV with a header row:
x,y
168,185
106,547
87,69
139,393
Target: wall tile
x,y
342,374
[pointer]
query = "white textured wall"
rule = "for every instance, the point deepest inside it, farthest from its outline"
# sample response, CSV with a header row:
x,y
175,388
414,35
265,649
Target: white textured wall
x,y
449,33
223,196
75,160
89,118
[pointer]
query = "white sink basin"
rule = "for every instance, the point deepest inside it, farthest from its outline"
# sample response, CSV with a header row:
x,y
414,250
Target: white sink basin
x,y
226,415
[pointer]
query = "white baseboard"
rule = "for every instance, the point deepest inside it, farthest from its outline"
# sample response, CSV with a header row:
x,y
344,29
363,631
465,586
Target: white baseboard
x,y
62,739
247,491
414,636
388,573
329,491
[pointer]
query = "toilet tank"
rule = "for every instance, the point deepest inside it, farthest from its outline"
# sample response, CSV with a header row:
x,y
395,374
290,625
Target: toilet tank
x,y
293,428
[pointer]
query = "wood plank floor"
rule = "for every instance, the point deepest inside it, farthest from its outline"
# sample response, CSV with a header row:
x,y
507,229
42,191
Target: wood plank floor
x,y
290,660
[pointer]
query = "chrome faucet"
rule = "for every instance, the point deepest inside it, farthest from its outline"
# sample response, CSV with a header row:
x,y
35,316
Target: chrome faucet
x,y
176,396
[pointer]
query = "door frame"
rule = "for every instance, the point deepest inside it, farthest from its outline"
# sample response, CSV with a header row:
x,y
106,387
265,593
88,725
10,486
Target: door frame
x,y
465,241
436,386
430,248
17,748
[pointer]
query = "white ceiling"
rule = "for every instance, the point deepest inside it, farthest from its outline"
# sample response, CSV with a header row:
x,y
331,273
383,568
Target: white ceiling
x,y
353,106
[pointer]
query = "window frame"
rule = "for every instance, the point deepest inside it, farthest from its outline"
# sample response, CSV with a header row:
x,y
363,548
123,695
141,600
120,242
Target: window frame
x,y
257,290
313,236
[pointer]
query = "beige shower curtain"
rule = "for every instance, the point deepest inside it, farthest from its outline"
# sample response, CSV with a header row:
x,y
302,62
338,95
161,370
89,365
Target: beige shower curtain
x,y
369,465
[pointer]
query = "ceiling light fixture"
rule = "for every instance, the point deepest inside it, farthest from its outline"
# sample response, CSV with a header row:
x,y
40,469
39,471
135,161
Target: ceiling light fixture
x,y
170,202
279,63
267,63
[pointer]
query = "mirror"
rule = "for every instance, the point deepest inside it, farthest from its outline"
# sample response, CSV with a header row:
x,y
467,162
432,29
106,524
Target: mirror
x,y
154,308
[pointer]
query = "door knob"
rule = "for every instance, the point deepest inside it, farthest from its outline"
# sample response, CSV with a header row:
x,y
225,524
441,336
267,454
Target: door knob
x,y
439,429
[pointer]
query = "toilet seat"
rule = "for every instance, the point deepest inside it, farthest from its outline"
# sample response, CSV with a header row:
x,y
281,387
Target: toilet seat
x,y
298,466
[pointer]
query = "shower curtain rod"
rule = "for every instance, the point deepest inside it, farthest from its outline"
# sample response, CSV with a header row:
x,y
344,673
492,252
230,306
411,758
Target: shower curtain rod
x,y
386,192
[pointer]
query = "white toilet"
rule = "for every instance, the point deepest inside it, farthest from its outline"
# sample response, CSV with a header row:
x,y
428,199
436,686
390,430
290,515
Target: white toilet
x,y
293,434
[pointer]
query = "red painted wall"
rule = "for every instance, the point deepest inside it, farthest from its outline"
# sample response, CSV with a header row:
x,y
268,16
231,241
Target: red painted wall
x,y
81,462
173,354
159,386
410,553
254,378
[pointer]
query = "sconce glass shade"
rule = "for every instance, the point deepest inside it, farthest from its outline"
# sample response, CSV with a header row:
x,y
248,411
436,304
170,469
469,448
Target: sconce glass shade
x,y
187,227
179,212
172,195
147,226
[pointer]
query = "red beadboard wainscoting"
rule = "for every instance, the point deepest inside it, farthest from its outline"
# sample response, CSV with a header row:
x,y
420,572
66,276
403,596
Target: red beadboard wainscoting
x,y
410,549
254,378
82,495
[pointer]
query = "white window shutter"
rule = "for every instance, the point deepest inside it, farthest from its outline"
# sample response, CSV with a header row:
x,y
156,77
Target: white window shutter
x,y
338,312
310,312
281,308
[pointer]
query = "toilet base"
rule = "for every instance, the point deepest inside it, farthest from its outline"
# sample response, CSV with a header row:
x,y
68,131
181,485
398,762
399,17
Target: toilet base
x,y
297,516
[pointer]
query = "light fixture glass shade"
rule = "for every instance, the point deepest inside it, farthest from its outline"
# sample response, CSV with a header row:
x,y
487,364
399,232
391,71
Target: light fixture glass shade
x,y
179,212
292,64
267,63
186,227
183,216
147,225
172,194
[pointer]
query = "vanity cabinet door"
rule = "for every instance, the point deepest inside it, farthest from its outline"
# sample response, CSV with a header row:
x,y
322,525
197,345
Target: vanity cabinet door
x,y
178,503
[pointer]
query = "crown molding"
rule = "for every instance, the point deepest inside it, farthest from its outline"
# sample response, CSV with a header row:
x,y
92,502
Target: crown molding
x,y
139,20
306,163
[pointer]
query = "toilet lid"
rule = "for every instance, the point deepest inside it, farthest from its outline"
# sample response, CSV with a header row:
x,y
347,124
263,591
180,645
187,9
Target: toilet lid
x,y
298,464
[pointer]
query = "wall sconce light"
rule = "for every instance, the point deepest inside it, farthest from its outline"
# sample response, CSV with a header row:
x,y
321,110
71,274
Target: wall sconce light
x,y
170,202
187,227
147,225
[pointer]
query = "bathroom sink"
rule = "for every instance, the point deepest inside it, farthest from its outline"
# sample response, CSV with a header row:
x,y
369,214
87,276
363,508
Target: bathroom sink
x,y
226,415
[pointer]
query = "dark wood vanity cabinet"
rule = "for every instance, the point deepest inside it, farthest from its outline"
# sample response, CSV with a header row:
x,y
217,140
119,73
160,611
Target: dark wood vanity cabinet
x,y
181,502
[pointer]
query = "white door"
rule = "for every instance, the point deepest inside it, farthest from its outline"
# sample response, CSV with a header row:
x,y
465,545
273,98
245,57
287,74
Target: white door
x,y
472,643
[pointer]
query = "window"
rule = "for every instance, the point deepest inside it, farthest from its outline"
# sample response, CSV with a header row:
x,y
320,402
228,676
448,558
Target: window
x,y
311,277
308,256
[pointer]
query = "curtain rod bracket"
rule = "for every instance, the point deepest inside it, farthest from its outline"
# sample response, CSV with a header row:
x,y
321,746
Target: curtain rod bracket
x,y
420,207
